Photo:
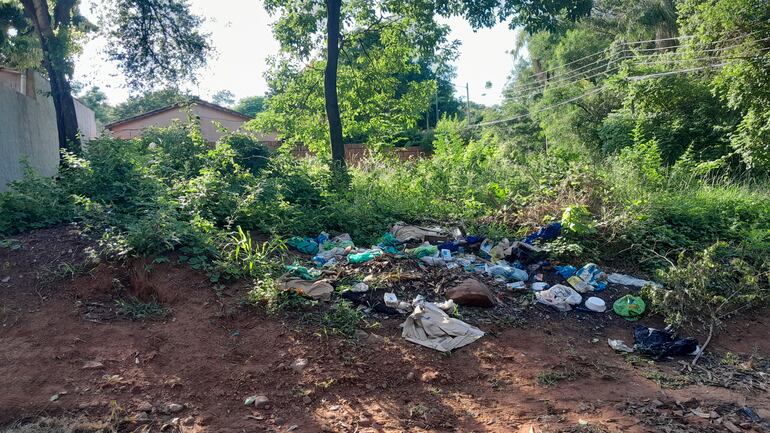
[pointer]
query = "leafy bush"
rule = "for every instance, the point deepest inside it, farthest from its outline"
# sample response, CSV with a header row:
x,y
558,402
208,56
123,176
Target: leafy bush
x,y
34,202
710,287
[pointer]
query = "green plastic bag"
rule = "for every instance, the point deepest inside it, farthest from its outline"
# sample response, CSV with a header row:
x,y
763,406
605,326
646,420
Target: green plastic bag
x,y
304,273
423,251
364,256
303,245
631,307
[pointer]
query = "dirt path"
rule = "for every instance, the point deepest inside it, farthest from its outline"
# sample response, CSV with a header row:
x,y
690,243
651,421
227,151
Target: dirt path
x,y
59,337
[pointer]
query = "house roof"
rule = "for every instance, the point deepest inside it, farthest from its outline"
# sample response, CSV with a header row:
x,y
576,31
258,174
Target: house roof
x,y
190,101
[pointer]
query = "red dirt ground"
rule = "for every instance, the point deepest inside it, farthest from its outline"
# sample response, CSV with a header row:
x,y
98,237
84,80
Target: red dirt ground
x,y
213,352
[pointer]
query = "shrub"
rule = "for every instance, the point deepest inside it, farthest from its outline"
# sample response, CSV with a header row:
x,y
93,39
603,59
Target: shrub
x,y
34,202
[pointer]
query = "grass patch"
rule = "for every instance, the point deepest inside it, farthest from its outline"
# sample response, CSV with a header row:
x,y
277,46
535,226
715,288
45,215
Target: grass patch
x,y
137,310
549,378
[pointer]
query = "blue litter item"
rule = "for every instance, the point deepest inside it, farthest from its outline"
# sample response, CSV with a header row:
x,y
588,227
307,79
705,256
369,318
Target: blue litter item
x,y
473,239
547,233
449,245
508,272
590,273
565,271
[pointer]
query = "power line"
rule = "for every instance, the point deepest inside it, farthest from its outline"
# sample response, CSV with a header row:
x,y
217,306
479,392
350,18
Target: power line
x,y
678,56
597,90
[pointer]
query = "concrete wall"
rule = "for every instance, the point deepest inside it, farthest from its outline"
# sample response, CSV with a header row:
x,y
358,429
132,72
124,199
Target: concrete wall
x,y
209,117
27,130
86,122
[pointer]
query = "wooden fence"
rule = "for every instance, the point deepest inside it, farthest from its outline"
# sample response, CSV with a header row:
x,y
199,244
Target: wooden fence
x,y
356,152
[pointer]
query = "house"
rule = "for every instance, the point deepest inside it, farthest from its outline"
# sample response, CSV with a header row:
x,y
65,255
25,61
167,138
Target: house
x,y
212,118
28,130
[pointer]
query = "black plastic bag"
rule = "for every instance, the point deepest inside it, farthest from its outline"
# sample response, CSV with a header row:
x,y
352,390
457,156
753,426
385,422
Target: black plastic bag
x,y
659,343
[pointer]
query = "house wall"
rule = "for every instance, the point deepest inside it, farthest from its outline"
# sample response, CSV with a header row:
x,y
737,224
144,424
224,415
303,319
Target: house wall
x,y
209,118
27,131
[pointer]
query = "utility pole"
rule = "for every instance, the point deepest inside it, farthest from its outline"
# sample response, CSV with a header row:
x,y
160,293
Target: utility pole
x,y
467,105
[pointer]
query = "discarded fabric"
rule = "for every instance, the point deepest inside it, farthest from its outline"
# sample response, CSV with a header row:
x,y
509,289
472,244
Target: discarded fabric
x,y
631,307
305,273
661,343
471,292
430,326
547,233
319,290
627,280
560,297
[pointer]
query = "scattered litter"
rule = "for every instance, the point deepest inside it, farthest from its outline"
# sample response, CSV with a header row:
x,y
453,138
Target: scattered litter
x,y
525,253
631,307
364,256
565,271
518,285
304,245
430,326
508,272
405,233
432,261
560,297
591,274
596,304
448,305
471,292
360,287
305,273
538,287
578,284
391,300
423,251
627,280
619,346
661,343
318,290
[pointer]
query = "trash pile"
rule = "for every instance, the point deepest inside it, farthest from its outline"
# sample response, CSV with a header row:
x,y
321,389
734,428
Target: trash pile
x,y
475,266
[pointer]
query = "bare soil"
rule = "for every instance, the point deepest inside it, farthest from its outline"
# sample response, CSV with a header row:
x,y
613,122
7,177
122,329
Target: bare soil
x,y
66,352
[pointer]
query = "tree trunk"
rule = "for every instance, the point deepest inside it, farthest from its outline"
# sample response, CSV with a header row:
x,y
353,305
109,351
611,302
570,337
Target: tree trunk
x,y
64,104
333,12
61,91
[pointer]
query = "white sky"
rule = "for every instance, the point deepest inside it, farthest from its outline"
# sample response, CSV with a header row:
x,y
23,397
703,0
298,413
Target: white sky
x,y
243,39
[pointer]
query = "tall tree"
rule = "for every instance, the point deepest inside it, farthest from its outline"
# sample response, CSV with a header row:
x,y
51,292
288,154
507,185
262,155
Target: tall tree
x,y
250,105
154,41
224,98
304,24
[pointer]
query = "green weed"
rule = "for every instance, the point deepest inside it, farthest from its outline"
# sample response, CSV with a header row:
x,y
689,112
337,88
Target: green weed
x,y
135,309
